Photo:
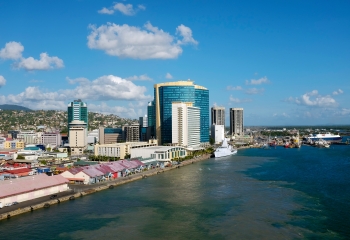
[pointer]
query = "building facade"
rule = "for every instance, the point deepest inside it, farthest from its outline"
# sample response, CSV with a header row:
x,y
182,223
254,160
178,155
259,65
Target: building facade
x,y
77,137
52,139
110,135
151,113
218,133
218,116
132,133
236,121
77,110
185,125
182,91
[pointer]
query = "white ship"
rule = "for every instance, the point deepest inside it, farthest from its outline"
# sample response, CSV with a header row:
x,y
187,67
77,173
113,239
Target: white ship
x,y
325,136
224,150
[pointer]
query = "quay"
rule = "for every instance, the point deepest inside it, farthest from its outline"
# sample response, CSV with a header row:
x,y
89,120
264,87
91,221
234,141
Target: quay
x,y
82,190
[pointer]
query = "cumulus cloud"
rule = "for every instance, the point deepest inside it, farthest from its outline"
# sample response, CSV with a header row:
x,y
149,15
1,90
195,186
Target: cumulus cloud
x,y
237,100
44,63
106,11
252,91
231,88
314,99
126,9
2,81
143,77
186,33
168,76
12,50
345,111
337,92
259,81
133,42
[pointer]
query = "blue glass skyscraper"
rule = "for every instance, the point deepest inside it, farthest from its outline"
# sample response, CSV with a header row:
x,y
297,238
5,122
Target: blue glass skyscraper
x,y
182,91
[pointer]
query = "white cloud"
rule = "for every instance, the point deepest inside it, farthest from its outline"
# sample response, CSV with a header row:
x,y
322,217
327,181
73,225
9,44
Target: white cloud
x,y
143,77
104,88
337,92
168,76
237,100
285,115
345,111
314,99
132,42
12,50
186,33
2,81
257,81
44,63
126,9
106,11
238,88
252,91
80,80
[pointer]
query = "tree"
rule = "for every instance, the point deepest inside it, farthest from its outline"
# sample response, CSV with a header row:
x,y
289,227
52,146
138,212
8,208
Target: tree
x,y
211,141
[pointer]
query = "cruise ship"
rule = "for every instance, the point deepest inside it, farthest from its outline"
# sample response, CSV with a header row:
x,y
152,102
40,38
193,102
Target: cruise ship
x,y
325,136
224,150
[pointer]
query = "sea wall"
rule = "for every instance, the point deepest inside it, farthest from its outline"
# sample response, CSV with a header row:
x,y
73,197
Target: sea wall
x,y
99,187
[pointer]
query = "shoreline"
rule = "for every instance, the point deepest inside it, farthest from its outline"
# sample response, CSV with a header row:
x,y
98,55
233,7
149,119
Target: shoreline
x,y
89,189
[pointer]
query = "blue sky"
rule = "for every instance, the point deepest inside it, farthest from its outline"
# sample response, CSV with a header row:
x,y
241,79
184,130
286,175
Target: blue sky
x,y
284,62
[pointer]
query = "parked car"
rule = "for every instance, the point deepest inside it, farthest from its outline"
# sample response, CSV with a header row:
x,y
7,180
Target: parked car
x,y
14,203
8,204
53,196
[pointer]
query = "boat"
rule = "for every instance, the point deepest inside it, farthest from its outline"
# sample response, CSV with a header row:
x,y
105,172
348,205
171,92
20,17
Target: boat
x,y
224,150
321,143
330,137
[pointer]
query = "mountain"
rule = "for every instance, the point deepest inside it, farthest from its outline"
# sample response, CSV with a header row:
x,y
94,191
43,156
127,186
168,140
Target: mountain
x,y
14,107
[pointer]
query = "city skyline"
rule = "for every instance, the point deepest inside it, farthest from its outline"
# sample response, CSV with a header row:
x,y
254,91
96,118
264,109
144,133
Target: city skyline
x,y
285,63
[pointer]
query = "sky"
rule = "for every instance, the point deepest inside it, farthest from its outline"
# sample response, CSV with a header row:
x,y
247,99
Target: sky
x,y
284,62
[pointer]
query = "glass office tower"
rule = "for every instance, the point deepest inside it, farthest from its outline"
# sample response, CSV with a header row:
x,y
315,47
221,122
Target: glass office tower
x,y
182,91
77,110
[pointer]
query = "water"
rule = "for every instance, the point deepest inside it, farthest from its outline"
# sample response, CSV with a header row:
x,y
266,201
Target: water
x,y
256,194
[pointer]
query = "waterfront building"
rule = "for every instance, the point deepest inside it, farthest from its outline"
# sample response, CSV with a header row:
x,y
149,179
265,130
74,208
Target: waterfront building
x,y
29,188
77,137
132,133
77,110
218,133
236,121
160,153
218,116
185,125
121,149
181,91
110,135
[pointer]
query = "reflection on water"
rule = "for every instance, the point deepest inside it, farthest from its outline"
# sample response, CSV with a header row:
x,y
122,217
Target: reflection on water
x,y
213,199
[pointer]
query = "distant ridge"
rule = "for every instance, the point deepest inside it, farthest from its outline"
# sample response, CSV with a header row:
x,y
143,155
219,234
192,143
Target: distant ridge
x,y
14,107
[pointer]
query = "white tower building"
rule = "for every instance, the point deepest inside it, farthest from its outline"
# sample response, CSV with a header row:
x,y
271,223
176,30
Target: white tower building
x,y
185,125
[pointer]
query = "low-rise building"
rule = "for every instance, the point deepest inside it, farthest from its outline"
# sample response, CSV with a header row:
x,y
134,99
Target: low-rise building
x,y
121,149
29,188
160,153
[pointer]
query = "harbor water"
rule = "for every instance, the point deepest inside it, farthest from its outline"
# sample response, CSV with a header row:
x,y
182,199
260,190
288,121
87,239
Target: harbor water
x,y
271,193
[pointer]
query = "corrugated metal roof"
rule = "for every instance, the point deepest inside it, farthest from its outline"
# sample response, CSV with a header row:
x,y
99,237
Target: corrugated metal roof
x,y
93,172
28,184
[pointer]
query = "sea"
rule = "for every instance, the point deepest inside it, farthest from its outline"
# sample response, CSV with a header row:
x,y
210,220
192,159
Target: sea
x,y
271,193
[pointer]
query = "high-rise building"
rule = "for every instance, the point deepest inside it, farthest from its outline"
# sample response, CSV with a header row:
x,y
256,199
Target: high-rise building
x,y
151,113
218,116
132,133
77,110
182,91
77,137
218,133
236,121
185,125
143,122
110,135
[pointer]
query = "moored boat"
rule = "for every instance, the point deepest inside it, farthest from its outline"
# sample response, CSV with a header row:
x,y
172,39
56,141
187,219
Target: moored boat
x,y
224,150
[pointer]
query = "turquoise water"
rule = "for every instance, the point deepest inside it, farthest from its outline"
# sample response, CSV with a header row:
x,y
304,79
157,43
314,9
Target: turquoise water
x,y
256,194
